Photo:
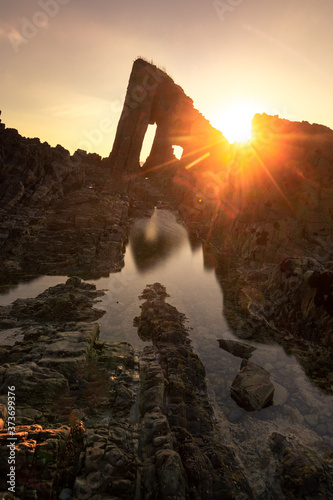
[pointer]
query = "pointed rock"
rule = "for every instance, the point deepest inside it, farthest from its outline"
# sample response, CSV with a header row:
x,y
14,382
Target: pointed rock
x,y
237,349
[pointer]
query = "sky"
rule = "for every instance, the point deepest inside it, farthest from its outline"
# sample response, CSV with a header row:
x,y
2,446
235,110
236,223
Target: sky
x,y
65,64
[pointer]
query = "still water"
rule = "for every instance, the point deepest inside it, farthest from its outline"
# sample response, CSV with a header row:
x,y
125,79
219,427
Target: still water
x,y
160,250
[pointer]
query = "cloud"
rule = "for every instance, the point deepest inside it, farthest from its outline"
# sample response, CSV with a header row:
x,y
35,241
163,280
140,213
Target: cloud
x,y
66,111
72,111
10,34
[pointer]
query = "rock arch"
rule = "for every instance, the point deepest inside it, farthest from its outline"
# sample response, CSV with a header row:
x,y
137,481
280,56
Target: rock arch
x,y
153,97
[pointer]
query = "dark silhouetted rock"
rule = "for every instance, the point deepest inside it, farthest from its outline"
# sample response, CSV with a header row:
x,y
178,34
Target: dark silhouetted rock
x,y
102,420
153,97
58,214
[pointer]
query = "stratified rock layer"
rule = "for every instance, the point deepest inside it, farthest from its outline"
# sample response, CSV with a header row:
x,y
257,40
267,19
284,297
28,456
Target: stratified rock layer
x,y
177,391
59,214
98,419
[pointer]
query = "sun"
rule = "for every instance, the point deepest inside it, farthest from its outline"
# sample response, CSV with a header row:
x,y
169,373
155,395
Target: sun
x,y
234,120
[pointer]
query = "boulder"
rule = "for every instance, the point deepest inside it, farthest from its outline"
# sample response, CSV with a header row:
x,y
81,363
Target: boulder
x,y
237,349
252,389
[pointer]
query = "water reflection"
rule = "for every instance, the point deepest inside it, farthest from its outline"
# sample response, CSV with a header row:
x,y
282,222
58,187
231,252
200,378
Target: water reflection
x,y
189,274
30,287
153,240
159,250
194,242
209,258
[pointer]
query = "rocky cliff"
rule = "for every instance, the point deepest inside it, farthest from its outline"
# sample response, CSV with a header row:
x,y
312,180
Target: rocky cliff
x,y
59,214
282,187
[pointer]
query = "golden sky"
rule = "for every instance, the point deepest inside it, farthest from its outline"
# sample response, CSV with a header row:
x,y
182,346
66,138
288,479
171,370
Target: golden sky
x,y
65,64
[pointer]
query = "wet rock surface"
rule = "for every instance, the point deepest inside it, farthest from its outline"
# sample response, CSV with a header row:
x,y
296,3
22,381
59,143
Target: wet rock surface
x,y
176,394
303,473
62,376
99,419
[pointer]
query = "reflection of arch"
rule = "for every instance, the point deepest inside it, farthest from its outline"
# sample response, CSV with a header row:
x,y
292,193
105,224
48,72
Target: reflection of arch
x,y
153,97
153,240
146,253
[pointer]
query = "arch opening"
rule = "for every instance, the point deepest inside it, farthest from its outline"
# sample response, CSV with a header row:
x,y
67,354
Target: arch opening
x,y
147,143
178,151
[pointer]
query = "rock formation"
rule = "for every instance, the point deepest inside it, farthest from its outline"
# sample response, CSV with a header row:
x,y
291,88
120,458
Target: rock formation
x,y
74,201
153,97
300,469
283,237
96,419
